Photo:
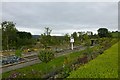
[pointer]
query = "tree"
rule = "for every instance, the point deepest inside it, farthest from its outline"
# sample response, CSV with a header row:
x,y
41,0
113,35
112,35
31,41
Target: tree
x,y
45,38
8,35
24,39
24,35
12,38
66,38
102,32
86,40
47,31
74,35
80,36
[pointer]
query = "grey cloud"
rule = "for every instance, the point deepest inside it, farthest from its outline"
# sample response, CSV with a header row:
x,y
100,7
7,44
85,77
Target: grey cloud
x,y
62,16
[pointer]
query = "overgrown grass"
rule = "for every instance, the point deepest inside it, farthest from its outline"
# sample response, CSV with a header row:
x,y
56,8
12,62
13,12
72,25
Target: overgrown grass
x,y
104,66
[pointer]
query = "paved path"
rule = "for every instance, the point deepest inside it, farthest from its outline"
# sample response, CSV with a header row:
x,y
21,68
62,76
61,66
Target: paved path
x,y
17,66
6,69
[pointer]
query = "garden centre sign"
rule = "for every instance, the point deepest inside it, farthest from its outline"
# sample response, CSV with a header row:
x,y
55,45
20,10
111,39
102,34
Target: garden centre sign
x,y
71,41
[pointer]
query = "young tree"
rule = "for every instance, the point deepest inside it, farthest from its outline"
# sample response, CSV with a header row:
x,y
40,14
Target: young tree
x,y
47,31
45,38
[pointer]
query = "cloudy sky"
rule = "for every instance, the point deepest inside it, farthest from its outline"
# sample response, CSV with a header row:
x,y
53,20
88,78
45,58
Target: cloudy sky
x,y
61,17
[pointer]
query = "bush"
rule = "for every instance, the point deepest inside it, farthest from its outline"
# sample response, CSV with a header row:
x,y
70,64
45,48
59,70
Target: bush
x,y
18,53
46,55
101,51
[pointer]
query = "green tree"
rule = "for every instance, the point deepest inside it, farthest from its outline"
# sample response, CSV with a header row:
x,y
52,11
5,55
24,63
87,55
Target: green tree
x,y
80,36
66,38
74,35
102,32
8,35
24,39
87,40
45,38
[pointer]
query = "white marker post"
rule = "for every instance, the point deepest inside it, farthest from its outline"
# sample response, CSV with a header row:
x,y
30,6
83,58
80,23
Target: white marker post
x,y
71,41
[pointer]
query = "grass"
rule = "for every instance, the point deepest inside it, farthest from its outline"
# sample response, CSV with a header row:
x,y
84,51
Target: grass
x,y
42,68
116,34
104,66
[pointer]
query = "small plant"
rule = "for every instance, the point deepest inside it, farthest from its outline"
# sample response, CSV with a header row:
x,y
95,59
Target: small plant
x,y
18,53
46,55
101,51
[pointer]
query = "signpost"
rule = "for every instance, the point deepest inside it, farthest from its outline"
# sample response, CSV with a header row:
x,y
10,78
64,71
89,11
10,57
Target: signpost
x,y
71,41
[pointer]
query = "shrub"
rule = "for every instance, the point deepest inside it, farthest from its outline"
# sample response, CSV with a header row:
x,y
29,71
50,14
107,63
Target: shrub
x,y
83,60
46,55
101,51
18,53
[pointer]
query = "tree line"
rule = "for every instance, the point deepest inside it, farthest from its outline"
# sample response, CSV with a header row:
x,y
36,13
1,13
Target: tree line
x,y
14,39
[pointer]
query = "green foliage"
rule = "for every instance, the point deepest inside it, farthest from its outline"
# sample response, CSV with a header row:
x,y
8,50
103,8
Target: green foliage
x,y
8,35
105,43
116,34
66,38
12,38
24,35
103,32
104,66
74,35
18,53
43,68
46,55
86,40
45,38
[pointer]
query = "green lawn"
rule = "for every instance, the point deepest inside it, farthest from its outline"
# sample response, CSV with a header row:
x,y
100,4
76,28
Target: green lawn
x,y
104,66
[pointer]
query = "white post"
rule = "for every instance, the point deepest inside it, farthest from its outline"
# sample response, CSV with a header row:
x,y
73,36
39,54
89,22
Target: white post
x,y
71,41
72,45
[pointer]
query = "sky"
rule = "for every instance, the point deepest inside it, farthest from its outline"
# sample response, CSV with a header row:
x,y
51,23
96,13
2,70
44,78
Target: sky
x,y
61,17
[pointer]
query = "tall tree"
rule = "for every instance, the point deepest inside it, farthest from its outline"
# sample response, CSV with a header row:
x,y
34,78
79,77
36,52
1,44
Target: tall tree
x,y
8,34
